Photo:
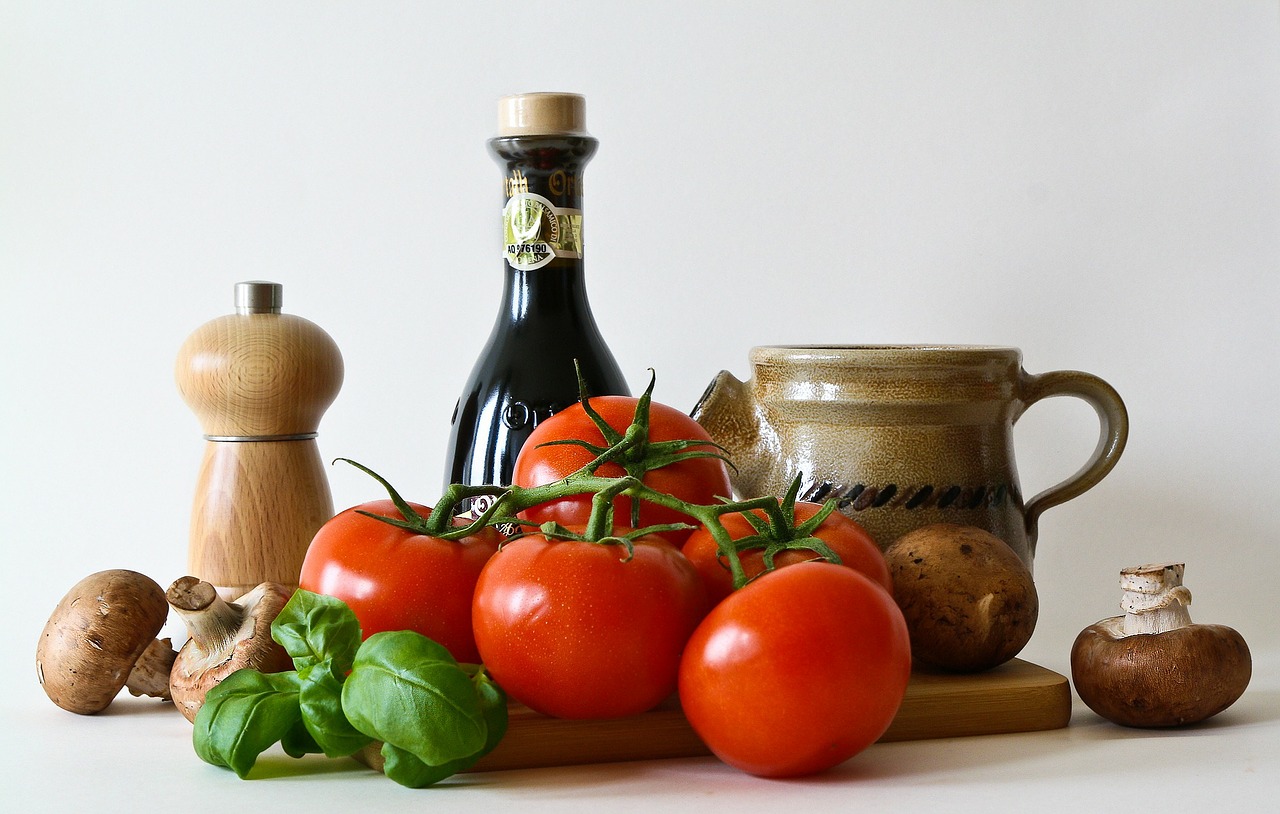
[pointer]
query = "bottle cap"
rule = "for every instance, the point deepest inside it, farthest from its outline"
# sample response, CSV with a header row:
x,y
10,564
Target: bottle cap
x,y
542,114
259,297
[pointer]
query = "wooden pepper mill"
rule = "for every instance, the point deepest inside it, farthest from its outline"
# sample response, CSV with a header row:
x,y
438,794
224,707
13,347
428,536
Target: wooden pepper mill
x,y
259,381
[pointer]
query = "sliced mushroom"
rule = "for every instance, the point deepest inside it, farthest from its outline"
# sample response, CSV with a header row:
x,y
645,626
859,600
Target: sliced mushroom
x,y
101,637
1153,667
225,637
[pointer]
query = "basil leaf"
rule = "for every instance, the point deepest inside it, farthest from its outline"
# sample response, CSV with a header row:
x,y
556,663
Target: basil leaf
x,y
407,769
493,706
313,628
298,741
244,715
320,697
406,690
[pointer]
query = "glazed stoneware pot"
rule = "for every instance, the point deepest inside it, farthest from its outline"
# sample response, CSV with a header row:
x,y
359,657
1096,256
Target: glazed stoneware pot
x,y
901,436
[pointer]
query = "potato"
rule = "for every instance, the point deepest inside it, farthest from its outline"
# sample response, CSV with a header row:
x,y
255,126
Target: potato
x,y
969,601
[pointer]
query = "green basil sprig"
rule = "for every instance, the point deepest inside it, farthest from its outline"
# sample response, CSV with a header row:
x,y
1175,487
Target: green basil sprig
x,y
401,679
434,716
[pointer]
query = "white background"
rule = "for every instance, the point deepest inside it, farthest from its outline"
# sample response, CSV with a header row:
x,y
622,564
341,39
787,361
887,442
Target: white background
x,y
1097,183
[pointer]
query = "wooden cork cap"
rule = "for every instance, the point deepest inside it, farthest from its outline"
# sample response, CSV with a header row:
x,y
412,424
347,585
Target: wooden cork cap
x,y
542,114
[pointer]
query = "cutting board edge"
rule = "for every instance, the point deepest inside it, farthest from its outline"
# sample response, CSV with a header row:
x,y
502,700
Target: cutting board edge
x,y
1032,698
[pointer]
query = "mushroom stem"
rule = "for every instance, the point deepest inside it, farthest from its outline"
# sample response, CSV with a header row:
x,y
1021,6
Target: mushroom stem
x,y
1154,599
212,622
225,637
150,674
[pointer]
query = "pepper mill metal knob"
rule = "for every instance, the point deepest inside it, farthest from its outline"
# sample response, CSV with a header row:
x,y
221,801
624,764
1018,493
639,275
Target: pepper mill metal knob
x,y
259,381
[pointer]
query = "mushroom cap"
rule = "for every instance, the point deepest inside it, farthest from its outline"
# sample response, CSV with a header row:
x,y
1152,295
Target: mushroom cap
x,y
95,635
205,660
1177,677
969,600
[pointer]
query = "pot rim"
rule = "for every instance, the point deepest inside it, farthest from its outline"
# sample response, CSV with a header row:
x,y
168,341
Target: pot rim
x,y
897,354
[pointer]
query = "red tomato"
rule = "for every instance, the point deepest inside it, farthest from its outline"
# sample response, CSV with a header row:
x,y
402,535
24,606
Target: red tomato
x,y
847,538
394,579
696,480
575,630
796,672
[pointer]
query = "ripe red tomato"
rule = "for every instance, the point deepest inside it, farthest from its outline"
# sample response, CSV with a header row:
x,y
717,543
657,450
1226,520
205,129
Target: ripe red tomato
x,y
394,579
847,538
576,630
796,672
694,480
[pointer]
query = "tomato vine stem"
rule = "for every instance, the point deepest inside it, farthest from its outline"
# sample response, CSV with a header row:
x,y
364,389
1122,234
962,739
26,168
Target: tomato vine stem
x,y
632,450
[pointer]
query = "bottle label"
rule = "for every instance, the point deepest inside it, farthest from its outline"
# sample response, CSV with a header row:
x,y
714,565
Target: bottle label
x,y
536,231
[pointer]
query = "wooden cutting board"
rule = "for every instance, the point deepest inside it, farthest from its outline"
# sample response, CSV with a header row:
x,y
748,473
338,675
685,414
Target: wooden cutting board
x,y
1015,697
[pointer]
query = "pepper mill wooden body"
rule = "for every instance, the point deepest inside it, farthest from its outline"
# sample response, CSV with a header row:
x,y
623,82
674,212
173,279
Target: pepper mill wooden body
x,y
259,382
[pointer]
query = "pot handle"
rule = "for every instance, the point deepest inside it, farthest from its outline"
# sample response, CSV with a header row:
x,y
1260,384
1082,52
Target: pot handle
x,y
1114,433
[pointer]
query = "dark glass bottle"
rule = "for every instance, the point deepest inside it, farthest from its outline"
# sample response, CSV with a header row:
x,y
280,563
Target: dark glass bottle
x,y
526,371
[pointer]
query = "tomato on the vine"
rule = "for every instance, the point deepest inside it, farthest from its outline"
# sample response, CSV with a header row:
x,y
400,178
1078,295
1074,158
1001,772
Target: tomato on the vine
x,y
796,672
847,538
580,630
694,478
397,579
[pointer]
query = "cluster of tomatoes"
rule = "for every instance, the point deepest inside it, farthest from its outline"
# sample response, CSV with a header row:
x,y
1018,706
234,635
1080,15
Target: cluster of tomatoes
x,y
795,671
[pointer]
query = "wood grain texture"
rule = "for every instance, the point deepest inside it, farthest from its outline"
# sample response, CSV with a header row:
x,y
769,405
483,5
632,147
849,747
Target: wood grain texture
x,y
1015,697
258,503
259,374
257,506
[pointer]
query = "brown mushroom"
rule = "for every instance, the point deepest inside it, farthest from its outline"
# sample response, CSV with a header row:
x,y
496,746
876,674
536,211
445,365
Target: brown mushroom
x,y
1153,667
969,601
225,637
101,637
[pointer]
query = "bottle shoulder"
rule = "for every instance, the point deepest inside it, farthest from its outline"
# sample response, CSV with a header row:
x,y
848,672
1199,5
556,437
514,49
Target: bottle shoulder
x,y
545,358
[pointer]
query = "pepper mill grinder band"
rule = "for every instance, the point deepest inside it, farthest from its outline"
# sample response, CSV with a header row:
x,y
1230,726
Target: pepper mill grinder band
x,y
259,380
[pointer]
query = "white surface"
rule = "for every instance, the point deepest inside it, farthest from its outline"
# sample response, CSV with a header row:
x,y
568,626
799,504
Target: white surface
x,y
1228,764
1097,183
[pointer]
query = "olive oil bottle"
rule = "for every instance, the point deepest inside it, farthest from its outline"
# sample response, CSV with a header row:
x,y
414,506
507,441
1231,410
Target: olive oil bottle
x,y
526,371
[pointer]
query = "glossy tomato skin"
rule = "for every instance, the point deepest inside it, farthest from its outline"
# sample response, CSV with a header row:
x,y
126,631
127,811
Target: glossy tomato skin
x,y
847,538
796,672
394,579
572,629
698,480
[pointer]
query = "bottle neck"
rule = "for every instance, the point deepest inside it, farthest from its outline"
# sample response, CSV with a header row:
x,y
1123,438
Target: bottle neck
x,y
542,199
550,166
556,293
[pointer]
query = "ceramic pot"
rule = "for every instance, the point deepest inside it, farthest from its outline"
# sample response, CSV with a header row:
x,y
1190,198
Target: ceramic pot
x,y
901,436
